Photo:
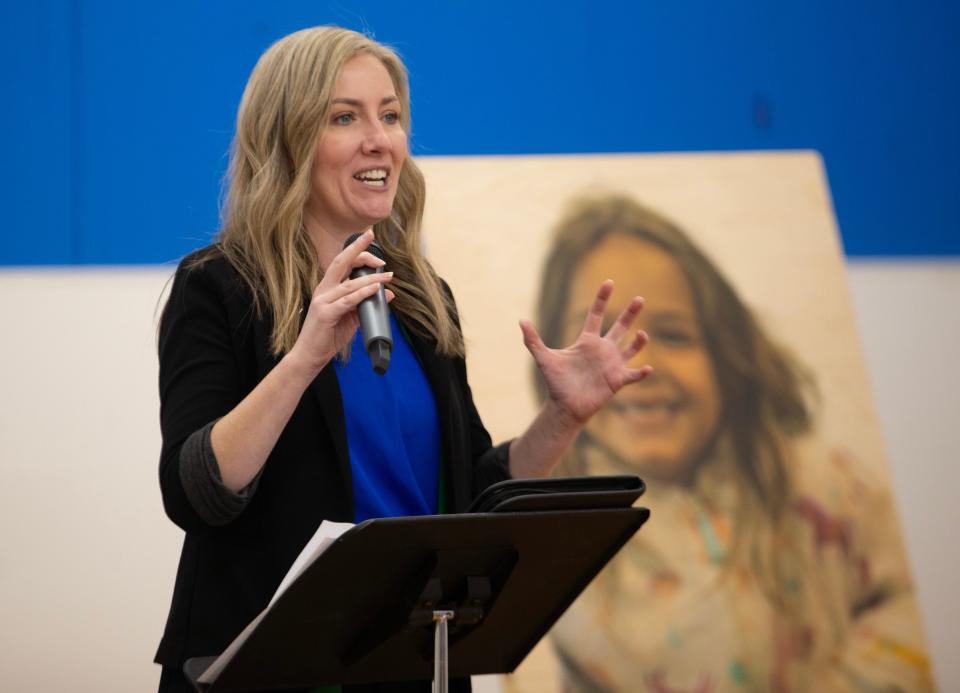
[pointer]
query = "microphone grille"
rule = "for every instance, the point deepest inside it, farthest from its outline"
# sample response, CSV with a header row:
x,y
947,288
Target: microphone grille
x,y
375,248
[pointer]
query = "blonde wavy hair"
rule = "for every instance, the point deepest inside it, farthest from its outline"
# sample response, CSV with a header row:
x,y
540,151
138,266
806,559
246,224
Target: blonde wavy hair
x,y
282,114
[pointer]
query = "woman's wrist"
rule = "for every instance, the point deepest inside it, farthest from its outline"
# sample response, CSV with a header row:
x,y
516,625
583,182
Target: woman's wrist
x,y
538,450
562,419
302,367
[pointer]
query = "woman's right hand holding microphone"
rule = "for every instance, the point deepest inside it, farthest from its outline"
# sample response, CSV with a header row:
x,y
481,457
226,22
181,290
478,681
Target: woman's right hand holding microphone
x,y
331,319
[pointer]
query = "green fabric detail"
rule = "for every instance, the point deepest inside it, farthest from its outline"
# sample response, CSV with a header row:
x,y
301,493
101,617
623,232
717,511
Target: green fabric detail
x,y
715,549
738,672
442,486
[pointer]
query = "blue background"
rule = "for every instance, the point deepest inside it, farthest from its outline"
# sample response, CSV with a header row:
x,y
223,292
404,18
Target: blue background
x,y
118,115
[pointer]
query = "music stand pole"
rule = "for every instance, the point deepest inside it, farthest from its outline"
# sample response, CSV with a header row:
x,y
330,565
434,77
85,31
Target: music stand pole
x,y
441,676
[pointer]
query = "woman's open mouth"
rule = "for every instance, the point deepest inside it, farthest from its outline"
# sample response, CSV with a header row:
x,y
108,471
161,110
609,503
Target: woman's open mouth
x,y
375,178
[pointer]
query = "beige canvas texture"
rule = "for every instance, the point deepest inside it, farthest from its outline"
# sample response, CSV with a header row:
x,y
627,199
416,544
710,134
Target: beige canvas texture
x,y
766,221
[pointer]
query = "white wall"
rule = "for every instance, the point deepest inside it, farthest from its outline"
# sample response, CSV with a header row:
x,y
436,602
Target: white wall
x,y
910,327
87,558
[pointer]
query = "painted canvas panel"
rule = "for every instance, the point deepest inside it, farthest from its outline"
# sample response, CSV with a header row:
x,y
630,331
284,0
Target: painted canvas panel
x,y
773,559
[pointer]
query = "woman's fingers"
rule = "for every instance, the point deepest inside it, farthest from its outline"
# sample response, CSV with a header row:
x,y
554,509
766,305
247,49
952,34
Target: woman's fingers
x,y
368,259
351,300
595,315
336,315
532,340
639,341
635,375
341,266
350,286
626,318
343,288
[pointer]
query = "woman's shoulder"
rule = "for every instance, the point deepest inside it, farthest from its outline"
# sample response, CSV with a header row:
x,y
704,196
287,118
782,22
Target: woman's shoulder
x,y
207,269
207,262
205,281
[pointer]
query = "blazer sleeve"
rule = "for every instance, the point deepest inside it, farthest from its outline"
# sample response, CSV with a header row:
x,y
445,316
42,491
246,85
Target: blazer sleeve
x,y
200,378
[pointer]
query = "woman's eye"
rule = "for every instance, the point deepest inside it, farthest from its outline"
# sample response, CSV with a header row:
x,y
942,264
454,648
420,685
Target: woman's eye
x,y
343,118
391,118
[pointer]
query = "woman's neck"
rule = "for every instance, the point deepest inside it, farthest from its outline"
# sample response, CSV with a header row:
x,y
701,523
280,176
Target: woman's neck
x,y
327,241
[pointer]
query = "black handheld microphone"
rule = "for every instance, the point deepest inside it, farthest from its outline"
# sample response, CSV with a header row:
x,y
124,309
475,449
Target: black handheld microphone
x,y
374,314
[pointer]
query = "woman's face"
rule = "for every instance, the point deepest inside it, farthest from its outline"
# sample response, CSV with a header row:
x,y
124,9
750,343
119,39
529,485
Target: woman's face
x,y
361,151
664,425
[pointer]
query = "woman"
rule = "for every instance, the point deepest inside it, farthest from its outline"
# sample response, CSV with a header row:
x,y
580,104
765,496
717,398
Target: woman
x,y
768,565
271,422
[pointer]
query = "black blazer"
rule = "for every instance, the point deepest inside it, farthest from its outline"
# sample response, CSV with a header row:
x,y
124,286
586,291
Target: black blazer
x,y
213,351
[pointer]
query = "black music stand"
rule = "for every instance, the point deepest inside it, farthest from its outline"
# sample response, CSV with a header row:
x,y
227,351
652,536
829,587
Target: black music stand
x,y
374,606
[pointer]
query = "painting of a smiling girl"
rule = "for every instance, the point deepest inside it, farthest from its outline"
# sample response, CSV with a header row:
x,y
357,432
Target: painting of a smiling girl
x,y
771,562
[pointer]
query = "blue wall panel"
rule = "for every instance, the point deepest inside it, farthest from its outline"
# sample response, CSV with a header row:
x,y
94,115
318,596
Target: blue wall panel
x,y
122,114
38,169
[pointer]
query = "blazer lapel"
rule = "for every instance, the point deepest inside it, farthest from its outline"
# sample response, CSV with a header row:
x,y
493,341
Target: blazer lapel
x,y
438,371
326,388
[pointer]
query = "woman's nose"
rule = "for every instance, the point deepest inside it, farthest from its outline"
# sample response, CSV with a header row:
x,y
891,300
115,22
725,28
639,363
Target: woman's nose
x,y
375,139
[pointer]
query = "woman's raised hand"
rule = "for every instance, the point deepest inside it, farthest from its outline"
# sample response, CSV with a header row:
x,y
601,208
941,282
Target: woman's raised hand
x,y
584,376
331,319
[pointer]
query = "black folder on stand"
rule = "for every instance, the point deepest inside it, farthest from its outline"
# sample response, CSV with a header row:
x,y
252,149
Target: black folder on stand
x,y
364,610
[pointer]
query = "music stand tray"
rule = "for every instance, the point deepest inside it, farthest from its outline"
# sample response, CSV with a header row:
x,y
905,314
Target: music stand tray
x,y
364,611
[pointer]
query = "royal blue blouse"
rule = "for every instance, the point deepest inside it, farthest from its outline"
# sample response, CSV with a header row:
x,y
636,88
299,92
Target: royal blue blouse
x,y
393,434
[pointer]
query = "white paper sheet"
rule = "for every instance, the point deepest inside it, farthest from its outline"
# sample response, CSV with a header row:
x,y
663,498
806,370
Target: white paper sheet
x,y
326,534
